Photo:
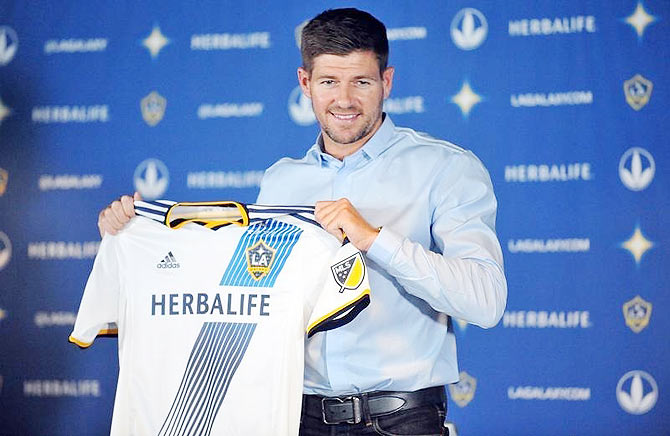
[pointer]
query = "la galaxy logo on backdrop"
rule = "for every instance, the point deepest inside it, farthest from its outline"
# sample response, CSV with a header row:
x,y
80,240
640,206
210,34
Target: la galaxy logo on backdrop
x,y
469,29
637,90
153,108
637,313
4,111
259,259
9,44
4,178
151,178
464,391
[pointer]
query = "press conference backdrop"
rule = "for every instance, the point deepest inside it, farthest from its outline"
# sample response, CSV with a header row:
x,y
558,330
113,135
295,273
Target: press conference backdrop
x,y
564,102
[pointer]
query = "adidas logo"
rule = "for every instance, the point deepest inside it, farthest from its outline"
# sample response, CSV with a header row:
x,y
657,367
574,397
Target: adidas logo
x,y
168,262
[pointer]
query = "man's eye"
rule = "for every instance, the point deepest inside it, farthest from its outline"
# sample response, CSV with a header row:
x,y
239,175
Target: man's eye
x,y
327,82
363,83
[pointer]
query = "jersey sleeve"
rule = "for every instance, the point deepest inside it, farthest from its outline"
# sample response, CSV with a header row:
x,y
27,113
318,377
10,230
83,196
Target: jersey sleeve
x,y
99,308
345,293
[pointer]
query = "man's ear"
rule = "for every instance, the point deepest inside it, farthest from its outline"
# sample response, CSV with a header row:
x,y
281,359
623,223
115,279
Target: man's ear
x,y
387,80
303,80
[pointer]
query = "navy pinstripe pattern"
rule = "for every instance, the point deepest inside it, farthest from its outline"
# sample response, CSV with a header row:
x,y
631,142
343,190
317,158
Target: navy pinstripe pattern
x,y
215,357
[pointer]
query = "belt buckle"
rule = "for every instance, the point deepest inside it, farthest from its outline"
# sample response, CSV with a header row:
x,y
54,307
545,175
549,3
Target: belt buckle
x,y
356,409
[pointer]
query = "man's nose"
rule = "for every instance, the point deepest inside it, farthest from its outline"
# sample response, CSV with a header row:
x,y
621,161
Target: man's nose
x,y
344,95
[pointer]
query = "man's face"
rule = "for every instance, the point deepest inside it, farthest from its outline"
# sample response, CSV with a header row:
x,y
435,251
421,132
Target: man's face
x,y
347,93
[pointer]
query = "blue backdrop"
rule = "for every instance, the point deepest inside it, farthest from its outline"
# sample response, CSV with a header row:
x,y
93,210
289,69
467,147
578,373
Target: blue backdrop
x,y
564,102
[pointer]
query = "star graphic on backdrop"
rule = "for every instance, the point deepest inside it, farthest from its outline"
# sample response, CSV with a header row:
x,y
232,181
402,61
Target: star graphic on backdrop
x,y
155,41
640,19
637,244
4,111
466,99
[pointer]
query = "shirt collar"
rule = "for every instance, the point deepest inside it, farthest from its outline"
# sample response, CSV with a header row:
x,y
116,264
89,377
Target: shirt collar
x,y
379,142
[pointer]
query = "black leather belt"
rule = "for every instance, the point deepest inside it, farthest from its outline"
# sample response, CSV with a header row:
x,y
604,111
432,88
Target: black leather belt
x,y
354,409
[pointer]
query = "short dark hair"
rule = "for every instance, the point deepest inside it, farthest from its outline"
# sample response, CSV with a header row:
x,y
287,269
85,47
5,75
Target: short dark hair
x,y
341,32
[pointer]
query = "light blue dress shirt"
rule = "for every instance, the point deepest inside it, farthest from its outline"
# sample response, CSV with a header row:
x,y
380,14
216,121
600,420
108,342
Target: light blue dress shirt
x,y
437,256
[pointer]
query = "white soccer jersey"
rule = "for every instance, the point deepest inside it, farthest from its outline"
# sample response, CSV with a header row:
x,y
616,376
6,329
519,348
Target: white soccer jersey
x,y
211,323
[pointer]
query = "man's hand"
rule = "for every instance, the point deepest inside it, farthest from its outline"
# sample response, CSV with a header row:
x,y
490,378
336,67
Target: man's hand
x,y
338,217
115,216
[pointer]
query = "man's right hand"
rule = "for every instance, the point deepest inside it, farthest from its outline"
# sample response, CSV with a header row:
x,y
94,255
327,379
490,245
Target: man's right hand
x,y
115,216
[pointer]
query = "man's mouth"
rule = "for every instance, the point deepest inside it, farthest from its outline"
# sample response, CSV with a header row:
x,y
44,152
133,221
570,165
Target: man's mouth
x,y
344,117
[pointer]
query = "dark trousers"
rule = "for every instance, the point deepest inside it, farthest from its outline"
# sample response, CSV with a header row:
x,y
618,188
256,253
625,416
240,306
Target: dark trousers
x,y
425,420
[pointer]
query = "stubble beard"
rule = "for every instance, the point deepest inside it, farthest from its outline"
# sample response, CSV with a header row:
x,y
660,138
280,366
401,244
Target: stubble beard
x,y
357,136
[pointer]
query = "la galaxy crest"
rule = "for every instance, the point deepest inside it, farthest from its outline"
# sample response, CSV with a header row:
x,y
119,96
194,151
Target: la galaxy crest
x,y
350,272
638,91
260,257
637,313
4,176
153,108
464,391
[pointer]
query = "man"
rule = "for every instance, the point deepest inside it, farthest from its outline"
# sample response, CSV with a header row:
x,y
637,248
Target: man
x,y
422,210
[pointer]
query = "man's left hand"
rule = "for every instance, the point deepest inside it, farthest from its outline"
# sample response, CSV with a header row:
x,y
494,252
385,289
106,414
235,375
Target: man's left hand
x,y
338,217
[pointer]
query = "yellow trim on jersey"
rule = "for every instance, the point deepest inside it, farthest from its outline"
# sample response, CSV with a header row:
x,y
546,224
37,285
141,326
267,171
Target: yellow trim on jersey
x,y
241,219
330,314
88,344
108,332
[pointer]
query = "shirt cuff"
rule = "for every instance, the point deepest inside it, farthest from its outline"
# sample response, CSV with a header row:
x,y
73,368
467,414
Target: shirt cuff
x,y
385,246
